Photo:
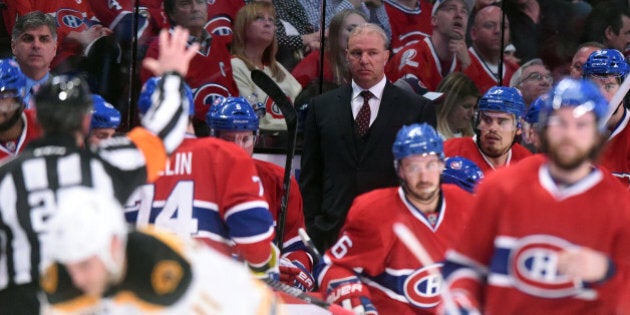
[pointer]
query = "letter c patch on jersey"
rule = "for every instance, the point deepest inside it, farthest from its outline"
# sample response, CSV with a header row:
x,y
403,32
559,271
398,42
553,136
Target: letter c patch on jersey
x,y
533,267
422,288
166,276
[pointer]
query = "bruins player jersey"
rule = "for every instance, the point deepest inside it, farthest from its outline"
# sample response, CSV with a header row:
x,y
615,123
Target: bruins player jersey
x,y
166,275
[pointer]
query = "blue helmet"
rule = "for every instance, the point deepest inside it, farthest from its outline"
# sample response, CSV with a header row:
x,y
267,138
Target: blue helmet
x,y
12,80
461,172
606,62
533,112
417,139
104,115
144,100
231,113
582,94
503,99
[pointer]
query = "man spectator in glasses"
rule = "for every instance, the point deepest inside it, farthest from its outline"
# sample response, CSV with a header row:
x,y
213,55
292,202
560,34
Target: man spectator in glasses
x,y
532,79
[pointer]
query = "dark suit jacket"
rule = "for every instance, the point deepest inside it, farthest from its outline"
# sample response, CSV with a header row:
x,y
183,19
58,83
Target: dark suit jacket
x,y
335,169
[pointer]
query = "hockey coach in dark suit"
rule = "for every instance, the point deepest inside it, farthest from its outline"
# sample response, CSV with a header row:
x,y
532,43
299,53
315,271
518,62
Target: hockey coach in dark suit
x,y
349,133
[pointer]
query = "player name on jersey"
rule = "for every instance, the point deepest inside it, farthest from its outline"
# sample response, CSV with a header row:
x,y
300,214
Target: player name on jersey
x,y
179,164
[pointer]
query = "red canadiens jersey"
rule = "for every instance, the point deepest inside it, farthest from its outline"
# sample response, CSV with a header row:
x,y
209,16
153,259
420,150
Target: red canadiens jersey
x,y
398,283
483,76
70,16
209,190
467,148
307,70
221,14
616,156
420,61
12,9
408,25
31,131
210,76
113,12
272,177
524,221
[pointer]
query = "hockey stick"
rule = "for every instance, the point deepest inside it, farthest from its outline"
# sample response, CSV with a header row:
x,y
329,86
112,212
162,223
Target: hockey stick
x,y
295,292
415,247
617,98
310,246
270,87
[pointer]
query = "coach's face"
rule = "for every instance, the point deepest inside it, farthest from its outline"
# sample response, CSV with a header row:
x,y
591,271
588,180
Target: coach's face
x,y
367,57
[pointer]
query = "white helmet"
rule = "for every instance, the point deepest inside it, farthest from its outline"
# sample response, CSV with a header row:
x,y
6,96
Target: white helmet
x,y
84,225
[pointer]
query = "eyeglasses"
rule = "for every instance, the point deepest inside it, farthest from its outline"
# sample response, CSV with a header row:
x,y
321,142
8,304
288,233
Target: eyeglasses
x,y
537,76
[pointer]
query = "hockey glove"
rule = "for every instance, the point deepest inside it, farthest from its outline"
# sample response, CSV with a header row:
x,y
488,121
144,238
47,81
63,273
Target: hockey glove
x,y
268,269
295,274
351,294
167,117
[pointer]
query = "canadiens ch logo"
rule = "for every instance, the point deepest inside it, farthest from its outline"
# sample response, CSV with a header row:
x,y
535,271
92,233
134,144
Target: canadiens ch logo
x,y
205,95
533,266
70,18
422,288
273,108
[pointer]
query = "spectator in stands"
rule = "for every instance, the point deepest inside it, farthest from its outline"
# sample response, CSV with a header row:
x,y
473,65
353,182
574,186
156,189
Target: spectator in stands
x,y
254,46
444,52
609,24
486,51
373,9
534,23
211,76
296,36
335,62
410,21
456,111
532,79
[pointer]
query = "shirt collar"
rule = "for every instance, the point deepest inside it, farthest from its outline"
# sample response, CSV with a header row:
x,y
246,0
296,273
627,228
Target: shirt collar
x,y
376,89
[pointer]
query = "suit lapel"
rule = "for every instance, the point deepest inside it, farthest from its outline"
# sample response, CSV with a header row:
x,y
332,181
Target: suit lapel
x,y
345,120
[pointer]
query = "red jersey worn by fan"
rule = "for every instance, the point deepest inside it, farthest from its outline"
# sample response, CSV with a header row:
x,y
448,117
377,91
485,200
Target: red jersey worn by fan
x,y
221,14
30,131
369,248
272,177
209,190
113,12
420,61
209,78
408,25
616,155
467,147
484,76
307,70
524,220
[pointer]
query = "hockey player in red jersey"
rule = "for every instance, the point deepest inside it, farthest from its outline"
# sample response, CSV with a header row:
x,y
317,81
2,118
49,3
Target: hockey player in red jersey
x,y
551,234
498,125
209,190
17,125
607,69
369,268
234,120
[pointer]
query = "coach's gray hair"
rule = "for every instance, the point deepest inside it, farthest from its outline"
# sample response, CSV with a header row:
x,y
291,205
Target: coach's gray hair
x,y
370,28
33,20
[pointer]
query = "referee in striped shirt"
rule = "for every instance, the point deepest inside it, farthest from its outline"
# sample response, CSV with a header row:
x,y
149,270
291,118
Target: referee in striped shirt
x,y
31,183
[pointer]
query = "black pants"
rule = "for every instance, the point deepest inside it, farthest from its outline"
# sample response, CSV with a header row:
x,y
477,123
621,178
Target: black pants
x,y
19,299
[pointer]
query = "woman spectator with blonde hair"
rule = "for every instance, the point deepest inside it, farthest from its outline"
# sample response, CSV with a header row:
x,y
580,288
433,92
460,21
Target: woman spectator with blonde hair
x,y
254,46
456,111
